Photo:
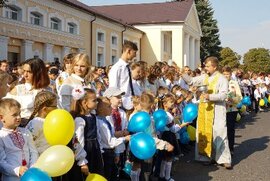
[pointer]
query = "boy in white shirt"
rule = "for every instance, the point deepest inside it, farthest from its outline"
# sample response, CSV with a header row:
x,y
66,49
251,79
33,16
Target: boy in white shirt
x,y
17,150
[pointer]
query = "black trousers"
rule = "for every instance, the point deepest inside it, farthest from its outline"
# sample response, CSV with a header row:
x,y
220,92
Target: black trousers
x,y
231,119
109,164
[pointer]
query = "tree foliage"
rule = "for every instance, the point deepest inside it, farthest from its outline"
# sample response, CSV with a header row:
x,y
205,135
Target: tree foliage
x,y
3,3
210,43
229,58
257,60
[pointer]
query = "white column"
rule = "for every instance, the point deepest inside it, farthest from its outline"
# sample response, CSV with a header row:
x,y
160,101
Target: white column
x,y
3,47
197,52
192,53
65,51
27,50
177,47
48,53
186,54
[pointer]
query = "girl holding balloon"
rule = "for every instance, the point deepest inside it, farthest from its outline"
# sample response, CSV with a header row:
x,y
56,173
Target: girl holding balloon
x,y
168,103
147,104
86,140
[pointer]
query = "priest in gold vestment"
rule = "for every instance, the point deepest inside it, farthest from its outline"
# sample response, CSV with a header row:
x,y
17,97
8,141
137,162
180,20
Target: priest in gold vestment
x,y
211,132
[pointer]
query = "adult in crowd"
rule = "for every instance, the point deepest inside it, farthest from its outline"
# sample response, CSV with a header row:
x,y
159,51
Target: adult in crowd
x,y
80,69
4,66
212,141
120,73
36,79
67,70
233,99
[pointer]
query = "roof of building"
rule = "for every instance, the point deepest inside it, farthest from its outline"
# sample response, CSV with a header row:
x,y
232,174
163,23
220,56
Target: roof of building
x,y
148,13
90,10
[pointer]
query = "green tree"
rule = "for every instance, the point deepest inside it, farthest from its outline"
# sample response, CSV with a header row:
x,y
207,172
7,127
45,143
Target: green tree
x,y
257,60
3,3
229,57
210,43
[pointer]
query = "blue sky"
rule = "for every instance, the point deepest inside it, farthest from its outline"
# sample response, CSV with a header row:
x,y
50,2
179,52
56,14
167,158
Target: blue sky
x,y
243,24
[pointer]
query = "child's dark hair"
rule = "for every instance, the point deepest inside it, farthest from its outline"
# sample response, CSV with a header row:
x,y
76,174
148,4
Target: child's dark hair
x,y
42,99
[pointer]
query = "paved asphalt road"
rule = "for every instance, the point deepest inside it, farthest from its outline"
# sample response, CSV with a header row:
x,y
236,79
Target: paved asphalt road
x,y
251,161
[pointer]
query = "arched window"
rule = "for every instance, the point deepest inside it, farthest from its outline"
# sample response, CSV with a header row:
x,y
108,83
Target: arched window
x,y
55,23
72,28
13,12
36,18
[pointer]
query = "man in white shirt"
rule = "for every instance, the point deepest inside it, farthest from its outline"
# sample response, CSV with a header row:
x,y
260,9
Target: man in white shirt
x,y
120,73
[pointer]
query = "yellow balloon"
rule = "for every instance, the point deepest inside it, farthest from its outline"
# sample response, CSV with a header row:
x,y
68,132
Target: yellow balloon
x,y
261,102
56,160
238,118
243,109
95,177
58,127
191,132
269,98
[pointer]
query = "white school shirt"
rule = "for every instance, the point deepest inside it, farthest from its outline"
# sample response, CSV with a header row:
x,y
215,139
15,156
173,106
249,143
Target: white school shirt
x,y
124,123
175,127
11,156
60,80
119,77
80,153
257,94
137,88
35,126
108,140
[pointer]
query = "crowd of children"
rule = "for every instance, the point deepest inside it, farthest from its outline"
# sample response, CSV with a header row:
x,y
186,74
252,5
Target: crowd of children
x,y
100,142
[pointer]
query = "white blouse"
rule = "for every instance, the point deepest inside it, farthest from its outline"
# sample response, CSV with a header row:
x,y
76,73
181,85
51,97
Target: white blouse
x,y
11,156
35,126
26,97
65,90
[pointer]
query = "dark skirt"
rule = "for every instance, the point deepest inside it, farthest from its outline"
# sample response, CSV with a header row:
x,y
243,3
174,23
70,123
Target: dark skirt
x,y
94,156
171,138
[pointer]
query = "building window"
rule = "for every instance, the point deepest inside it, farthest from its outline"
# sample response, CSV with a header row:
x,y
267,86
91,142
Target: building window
x,y
100,58
55,24
167,43
36,18
114,59
13,12
114,40
72,28
101,37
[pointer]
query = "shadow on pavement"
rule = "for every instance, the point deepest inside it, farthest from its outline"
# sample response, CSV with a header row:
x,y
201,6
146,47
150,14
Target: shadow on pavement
x,y
248,147
186,169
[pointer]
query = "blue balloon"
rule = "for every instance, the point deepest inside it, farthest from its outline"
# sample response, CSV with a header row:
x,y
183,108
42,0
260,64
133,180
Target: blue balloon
x,y
190,112
35,174
140,121
142,145
246,101
184,138
239,105
127,168
160,118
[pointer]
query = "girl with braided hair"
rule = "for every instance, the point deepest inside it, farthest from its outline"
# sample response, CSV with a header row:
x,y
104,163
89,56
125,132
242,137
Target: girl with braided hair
x,y
44,103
